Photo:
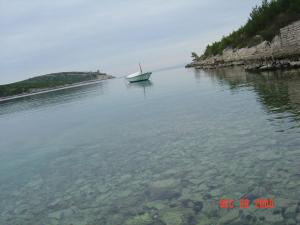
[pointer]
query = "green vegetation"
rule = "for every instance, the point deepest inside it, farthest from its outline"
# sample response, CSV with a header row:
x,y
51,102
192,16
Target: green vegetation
x,y
46,81
195,56
264,23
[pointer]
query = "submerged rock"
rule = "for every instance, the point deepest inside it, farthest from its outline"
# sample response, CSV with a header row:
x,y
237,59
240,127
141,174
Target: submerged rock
x,y
290,222
172,218
195,205
270,216
232,215
144,219
198,206
55,215
204,220
156,205
251,196
163,189
116,219
268,156
290,212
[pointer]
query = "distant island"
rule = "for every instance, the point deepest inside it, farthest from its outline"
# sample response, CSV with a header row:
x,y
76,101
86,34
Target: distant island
x,y
50,82
269,40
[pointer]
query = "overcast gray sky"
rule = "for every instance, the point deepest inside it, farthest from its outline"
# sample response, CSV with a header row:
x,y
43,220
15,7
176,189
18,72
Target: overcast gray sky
x,y
42,36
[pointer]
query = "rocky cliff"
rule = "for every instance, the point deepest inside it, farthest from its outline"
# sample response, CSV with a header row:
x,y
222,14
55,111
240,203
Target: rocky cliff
x,y
282,51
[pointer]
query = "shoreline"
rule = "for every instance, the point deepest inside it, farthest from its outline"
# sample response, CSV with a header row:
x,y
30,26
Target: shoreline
x,y
47,90
282,53
255,65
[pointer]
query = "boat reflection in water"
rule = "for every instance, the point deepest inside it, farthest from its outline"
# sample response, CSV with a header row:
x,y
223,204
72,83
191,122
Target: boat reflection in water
x,y
146,84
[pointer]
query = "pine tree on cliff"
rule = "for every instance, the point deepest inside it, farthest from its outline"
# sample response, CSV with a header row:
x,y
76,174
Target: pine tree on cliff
x,y
264,22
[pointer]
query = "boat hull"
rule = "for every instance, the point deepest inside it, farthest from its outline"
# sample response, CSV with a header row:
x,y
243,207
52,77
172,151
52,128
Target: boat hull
x,y
141,77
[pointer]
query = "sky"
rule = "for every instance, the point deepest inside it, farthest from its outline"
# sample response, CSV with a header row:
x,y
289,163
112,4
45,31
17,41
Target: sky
x,y
41,36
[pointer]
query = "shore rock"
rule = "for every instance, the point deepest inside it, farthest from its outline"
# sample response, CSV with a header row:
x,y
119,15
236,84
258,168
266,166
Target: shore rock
x,y
283,52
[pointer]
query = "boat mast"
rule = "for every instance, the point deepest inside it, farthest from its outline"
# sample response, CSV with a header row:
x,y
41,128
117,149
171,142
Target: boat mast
x,y
141,68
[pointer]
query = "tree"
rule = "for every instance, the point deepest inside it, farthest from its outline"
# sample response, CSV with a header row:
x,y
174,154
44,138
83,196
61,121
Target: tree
x,y
264,20
195,56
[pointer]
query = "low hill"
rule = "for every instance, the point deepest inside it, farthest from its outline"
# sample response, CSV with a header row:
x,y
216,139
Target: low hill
x,y
263,24
50,81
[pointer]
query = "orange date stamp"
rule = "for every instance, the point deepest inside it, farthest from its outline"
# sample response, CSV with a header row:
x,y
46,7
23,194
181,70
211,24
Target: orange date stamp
x,y
260,203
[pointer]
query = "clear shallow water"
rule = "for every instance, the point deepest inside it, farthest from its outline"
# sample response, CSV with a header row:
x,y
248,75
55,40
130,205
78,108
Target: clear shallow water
x,y
159,152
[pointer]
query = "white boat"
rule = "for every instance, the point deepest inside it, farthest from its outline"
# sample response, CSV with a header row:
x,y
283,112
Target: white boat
x,y
138,76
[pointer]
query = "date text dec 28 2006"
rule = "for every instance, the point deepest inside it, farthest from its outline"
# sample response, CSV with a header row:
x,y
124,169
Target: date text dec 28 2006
x,y
260,203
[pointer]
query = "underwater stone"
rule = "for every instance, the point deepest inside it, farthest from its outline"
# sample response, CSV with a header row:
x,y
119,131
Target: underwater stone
x,y
251,197
115,219
232,215
144,219
163,189
187,203
125,178
292,184
55,203
290,222
103,188
248,217
262,218
204,220
290,212
256,193
211,209
202,187
55,215
207,196
35,184
68,212
22,209
156,205
276,211
172,218
186,193
272,218
268,156
195,181
197,206
244,132
53,221
124,193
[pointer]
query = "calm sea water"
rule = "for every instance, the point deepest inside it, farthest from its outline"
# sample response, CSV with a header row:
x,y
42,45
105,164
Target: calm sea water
x,y
159,152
